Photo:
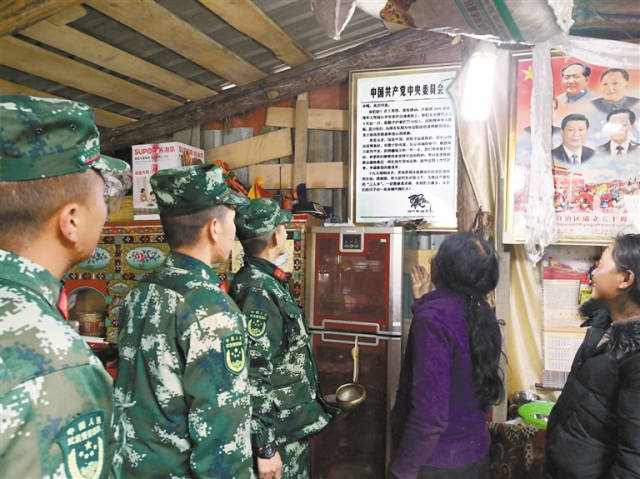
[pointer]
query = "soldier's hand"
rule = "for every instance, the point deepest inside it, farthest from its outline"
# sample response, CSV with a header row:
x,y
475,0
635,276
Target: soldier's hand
x,y
270,468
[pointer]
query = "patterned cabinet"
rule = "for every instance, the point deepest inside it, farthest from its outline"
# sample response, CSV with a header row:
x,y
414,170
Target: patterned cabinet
x,y
128,251
125,253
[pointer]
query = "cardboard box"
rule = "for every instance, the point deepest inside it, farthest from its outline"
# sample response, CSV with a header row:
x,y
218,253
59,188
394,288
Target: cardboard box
x,y
146,160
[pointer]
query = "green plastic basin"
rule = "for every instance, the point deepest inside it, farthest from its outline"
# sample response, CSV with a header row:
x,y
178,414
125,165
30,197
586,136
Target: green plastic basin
x,y
536,413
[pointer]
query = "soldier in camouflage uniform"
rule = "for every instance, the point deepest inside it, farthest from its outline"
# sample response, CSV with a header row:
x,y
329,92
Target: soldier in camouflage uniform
x,y
56,399
183,382
287,405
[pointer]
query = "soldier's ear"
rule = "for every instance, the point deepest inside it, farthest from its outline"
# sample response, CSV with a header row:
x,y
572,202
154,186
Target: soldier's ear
x,y
68,222
274,238
213,229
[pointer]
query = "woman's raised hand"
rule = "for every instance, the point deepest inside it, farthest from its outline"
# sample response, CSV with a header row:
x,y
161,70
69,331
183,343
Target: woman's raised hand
x,y
420,281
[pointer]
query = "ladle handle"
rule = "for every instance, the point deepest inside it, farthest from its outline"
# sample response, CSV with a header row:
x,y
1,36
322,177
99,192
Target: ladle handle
x,y
355,355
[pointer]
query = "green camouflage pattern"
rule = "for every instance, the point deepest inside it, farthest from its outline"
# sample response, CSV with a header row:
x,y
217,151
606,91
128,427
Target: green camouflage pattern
x,y
259,217
46,137
182,387
287,404
190,189
56,399
296,460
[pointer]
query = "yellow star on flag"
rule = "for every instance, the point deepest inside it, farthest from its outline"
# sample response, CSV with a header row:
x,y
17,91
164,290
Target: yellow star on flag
x,y
528,73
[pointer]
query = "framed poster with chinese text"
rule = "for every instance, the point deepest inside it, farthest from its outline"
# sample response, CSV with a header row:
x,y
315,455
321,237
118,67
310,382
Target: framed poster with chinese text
x,y
403,159
595,150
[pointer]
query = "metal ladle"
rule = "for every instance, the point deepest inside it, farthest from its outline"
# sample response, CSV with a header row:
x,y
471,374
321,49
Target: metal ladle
x,y
352,394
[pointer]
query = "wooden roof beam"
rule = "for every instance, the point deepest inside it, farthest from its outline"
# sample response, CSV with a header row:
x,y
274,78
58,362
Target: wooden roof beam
x,y
156,22
244,16
387,51
54,32
103,117
18,14
26,57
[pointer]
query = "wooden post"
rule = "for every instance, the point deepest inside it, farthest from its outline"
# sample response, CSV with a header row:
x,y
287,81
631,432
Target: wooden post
x,y
301,139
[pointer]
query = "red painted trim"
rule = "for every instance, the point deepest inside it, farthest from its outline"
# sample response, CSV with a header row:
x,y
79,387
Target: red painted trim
x,y
91,160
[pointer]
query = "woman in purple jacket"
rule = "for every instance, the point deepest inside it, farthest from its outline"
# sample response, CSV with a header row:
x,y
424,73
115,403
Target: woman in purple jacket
x,y
450,376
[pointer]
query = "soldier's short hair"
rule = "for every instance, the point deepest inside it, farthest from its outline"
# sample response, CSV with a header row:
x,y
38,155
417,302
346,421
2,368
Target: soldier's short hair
x,y
184,230
27,205
256,245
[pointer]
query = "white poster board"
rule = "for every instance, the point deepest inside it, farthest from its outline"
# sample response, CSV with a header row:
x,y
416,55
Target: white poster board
x,y
403,160
150,158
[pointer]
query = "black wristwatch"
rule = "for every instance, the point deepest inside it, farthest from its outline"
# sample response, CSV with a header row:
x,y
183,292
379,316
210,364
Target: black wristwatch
x,y
267,451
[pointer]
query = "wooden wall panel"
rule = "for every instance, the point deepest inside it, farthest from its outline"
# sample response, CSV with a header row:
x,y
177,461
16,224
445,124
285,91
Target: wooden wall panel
x,y
254,150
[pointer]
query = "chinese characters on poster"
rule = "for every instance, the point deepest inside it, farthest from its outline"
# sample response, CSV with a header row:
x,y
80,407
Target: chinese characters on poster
x,y
404,146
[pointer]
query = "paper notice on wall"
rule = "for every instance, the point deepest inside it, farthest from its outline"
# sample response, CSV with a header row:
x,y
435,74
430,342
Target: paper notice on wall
x,y
560,304
560,349
404,163
564,270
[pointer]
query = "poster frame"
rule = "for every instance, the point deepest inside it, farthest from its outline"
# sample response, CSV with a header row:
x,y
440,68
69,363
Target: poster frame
x,y
510,236
354,161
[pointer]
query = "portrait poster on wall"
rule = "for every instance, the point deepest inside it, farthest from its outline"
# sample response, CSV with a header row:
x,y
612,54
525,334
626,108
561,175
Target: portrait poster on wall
x,y
595,151
403,161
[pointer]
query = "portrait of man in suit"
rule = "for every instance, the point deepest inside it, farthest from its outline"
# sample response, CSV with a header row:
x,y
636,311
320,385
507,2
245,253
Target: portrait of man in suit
x,y
613,87
574,130
575,77
619,127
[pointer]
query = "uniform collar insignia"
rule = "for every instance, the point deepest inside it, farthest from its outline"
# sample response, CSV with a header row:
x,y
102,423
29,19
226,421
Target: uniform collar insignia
x,y
280,274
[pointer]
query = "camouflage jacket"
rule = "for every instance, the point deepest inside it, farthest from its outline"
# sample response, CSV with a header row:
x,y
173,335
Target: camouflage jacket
x,y
56,399
182,386
287,404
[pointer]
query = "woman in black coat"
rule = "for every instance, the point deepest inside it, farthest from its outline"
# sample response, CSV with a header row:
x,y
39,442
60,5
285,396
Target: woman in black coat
x,y
594,428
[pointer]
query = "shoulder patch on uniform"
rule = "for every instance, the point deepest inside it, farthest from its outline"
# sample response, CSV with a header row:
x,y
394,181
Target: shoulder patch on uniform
x,y
83,445
233,348
257,323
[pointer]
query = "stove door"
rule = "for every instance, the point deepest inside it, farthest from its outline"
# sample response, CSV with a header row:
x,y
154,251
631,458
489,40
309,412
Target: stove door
x,y
356,444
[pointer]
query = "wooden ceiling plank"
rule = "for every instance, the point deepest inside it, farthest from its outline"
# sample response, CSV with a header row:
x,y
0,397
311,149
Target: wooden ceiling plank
x,y
103,118
16,15
100,53
319,118
246,17
67,15
29,58
108,119
156,22
400,48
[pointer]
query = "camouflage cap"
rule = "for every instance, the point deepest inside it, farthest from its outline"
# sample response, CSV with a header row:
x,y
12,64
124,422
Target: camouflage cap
x,y
261,216
189,189
45,137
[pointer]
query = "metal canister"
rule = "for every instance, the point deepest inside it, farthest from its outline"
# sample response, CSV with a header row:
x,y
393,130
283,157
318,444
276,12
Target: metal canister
x,y
91,324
